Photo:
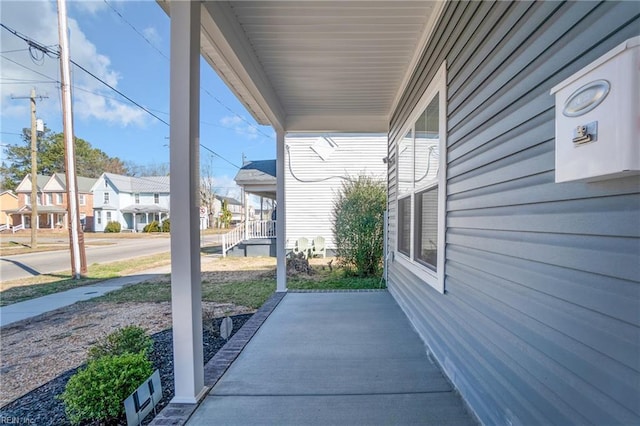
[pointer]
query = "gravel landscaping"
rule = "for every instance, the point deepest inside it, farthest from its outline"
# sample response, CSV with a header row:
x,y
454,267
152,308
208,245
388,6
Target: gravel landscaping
x,y
40,406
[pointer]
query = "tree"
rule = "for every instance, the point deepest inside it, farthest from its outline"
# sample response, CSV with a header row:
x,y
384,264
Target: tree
x,y
151,169
90,162
207,191
225,214
358,225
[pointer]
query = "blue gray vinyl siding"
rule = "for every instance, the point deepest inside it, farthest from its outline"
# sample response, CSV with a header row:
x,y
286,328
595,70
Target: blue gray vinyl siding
x,y
540,320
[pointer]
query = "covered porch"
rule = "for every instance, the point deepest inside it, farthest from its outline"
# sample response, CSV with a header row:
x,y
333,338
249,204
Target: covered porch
x,y
308,67
326,359
138,216
49,217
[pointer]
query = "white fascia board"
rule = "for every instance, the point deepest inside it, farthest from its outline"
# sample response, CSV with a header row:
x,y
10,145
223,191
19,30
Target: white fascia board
x,y
427,34
96,185
222,31
338,124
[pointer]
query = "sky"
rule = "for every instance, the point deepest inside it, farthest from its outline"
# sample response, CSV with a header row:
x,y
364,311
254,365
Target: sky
x,y
126,44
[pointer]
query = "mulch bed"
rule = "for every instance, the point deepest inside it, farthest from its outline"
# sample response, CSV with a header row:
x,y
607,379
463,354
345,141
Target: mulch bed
x,y
40,406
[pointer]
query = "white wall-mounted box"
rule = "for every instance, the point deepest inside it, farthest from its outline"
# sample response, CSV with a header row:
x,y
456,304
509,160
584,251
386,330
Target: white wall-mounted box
x,y
598,118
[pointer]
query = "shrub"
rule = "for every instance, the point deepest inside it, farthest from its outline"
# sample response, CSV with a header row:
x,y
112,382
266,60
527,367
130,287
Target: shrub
x,y
113,227
131,339
166,225
358,222
98,391
152,227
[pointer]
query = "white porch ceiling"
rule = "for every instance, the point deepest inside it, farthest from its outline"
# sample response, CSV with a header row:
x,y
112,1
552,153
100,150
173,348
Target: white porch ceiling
x,y
317,65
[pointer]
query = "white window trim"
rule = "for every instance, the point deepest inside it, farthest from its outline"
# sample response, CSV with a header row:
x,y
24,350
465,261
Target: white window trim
x,y
434,279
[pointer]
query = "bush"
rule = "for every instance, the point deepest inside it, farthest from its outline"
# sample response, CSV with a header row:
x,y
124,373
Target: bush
x,y
98,391
113,227
152,227
131,339
166,225
358,222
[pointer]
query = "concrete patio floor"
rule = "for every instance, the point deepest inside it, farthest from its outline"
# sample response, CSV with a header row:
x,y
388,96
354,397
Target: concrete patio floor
x,y
342,358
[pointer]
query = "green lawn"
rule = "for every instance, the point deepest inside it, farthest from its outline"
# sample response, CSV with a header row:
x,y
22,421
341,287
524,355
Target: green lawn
x,y
29,288
252,293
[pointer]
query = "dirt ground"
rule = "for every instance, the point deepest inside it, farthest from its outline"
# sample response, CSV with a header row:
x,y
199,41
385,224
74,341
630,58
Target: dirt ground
x,y
36,350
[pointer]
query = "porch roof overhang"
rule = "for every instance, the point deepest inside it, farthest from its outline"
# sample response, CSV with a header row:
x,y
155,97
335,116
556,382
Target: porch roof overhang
x,y
258,178
316,66
144,208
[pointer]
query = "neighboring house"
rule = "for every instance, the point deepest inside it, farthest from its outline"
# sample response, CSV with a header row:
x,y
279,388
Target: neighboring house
x,y
524,287
52,202
134,202
315,169
235,207
8,203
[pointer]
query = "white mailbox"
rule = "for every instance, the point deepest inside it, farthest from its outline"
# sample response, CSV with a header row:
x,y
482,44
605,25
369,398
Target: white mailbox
x,y
598,118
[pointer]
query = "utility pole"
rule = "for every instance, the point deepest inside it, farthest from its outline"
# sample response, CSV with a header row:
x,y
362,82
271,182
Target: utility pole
x,y
76,237
34,173
34,167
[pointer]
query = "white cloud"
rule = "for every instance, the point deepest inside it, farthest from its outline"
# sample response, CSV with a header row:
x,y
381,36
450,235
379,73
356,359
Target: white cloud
x,y
227,187
240,126
39,21
152,35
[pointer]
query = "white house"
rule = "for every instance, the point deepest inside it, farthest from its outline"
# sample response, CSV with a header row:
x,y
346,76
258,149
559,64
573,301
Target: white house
x,y
134,202
315,170
316,166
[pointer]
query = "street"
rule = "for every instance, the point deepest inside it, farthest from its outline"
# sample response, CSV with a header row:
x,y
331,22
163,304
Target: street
x,y
27,265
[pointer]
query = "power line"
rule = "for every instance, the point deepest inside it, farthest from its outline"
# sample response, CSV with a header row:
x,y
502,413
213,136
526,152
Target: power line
x,y
117,91
135,29
29,69
201,88
47,51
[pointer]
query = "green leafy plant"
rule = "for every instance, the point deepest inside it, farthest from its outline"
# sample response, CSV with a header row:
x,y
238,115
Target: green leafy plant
x,y
152,227
225,214
113,226
130,339
358,222
166,225
98,391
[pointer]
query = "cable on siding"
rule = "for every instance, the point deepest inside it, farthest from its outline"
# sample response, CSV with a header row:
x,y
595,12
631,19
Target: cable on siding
x,y
347,178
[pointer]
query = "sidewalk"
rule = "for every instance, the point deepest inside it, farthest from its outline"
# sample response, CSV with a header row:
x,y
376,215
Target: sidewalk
x,y
33,307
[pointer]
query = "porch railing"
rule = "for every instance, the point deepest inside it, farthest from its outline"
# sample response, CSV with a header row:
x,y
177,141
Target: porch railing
x,y
255,229
18,228
262,229
4,227
232,239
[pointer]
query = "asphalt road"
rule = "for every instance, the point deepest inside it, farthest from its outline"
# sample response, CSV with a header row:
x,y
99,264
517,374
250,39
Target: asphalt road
x,y
28,265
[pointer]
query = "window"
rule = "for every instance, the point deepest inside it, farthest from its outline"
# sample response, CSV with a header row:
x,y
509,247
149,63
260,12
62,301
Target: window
x,y
106,198
58,198
108,216
156,198
421,178
83,199
49,199
136,198
99,217
27,199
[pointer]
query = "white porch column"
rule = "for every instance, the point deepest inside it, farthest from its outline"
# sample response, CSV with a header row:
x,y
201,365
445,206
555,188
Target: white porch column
x,y
281,235
246,215
51,220
186,291
135,227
